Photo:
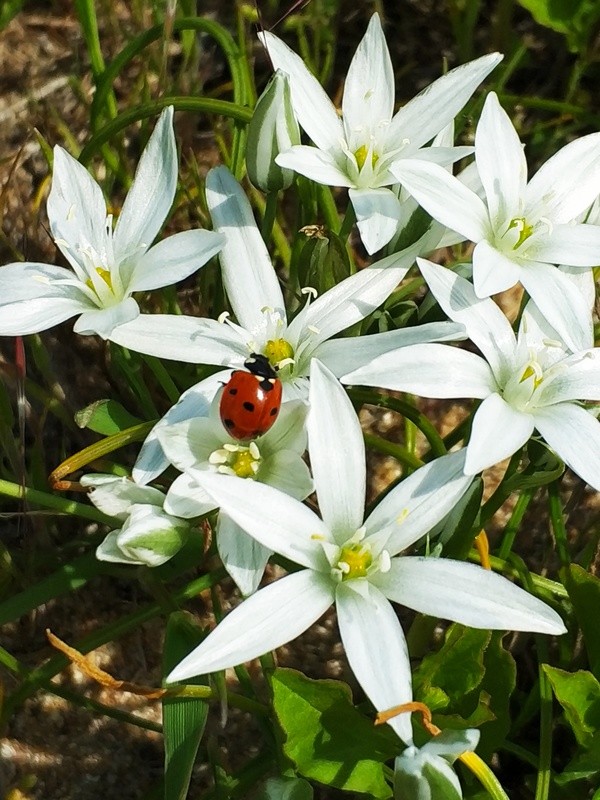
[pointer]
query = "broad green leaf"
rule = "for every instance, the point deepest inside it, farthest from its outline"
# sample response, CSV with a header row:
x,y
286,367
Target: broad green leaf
x,y
286,789
499,683
327,739
573,18
585,766
584,592
579,695
105,417
183,718
444,678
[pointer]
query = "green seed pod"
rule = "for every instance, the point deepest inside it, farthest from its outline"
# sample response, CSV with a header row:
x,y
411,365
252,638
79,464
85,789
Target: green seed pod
x,y
272,130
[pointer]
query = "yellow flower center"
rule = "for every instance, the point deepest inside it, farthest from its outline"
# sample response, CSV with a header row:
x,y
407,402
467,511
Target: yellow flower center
x,y
530,372
354,561
278,350
524,230
237,459
243,464
361,156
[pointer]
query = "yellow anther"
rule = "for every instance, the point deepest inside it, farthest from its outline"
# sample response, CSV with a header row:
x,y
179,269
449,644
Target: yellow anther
x,y
354,561
525,230
361,156
245,465
105,275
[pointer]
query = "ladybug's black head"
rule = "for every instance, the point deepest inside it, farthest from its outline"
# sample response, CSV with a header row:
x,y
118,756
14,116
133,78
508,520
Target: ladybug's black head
x,y
260,365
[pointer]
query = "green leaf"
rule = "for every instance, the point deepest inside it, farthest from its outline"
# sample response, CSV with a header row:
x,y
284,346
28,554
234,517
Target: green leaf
x,y
543,468
573,18
584,592
106,417
286,789
498,682
579,695
184,718
444,678
327,739
585,766
323,261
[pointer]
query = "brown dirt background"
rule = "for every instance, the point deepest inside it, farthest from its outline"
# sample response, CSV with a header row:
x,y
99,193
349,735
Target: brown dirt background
x,y
54,750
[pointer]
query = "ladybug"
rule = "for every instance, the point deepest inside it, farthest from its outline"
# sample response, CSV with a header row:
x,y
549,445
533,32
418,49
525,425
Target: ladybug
x,y
251,400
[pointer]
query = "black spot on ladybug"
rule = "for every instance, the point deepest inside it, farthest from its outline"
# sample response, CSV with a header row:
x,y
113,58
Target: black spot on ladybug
x,y
233,391
229,423
273,412
248,406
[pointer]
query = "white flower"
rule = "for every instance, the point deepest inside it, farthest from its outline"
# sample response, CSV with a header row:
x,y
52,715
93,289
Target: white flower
x,y
521,229
426,773
149,535
261,323
107,266
202,444
360,149
355,563
527,382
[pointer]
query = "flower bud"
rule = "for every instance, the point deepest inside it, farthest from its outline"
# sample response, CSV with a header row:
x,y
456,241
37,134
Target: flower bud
x,y
273,129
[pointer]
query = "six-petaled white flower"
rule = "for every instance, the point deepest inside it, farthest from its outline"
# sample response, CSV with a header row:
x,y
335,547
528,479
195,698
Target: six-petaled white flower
x,y
107,266
530,381
354,562
360,150
520,229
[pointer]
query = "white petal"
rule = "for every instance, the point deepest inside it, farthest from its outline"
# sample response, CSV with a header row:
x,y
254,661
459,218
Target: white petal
x,y
437,105
30,281
195,402
32,316
174,258
345,304
344,355
574,378
431,370
181,338
318,165
277,521
190,442
337,453
115,496
567,184
377,216
377,653
109,550
560,301
242,556
315,111
467,594
583,279
266,620
500,161
152,192
493,272
103,321
248,274
486,325
369,87
286,471
187,499
418,503
575,435
444,197
76,207
289,431
575,245
498,431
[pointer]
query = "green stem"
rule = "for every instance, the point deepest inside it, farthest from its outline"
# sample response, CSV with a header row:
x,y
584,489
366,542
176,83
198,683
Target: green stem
x,y
328,207
484,775
272,200
557,520
542,788
502,493
347,222
162,376
407,410
203,105
54,502
400,453
86,12
541,584
510,531
207,693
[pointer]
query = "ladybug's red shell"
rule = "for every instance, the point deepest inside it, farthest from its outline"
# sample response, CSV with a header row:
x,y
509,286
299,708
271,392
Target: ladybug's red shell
x,y
249,404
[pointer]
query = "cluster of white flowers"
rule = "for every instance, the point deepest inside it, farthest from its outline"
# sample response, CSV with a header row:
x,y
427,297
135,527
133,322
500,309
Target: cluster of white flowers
x,y
538,379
